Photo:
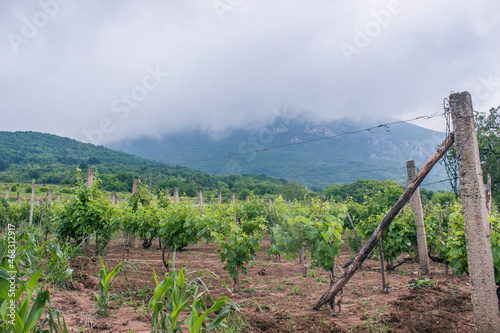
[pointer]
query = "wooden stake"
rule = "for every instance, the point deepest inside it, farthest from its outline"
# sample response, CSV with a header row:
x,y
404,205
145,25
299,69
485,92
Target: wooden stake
x,y
385,288
416,206
386,222
32,200
355,233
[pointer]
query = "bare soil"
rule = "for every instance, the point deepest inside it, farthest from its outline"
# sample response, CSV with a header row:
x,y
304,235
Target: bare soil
x,y
274,296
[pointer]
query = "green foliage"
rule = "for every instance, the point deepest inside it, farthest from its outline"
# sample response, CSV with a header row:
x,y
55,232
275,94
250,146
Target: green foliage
x,y
27,265
293,191
87,214
238,242
16,314
357,191
443,197
180,225
488,135
52,160
400,237
317,225
423,283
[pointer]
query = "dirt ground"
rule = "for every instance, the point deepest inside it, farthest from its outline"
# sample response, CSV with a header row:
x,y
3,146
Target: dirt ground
x,y
274,296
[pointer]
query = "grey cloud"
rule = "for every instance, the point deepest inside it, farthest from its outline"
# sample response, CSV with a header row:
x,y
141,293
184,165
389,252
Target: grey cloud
x,y
232,73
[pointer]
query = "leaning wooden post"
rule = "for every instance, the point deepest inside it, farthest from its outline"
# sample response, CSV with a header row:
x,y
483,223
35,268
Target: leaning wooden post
x,y
480,257
386,222
176,195
7,192
32,200
416,207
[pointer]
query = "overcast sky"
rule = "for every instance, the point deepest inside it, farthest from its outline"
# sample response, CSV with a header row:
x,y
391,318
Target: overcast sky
x,y
101,71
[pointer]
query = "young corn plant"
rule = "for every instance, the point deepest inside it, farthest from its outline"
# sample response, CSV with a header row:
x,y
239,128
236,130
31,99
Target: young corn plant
x,y
175,294
16,314
106,280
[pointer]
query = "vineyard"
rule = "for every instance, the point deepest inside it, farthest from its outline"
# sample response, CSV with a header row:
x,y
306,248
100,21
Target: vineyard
x,y
157,263
226,267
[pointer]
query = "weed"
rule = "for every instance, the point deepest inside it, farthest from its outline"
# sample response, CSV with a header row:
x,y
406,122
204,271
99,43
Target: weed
x,y
248,280
313,272
424,283
378,322
365,302
250,290
321,280
401,272
356,292
296,290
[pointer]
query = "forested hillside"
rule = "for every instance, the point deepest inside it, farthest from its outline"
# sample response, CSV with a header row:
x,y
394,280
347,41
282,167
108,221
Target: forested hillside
x,y
53,160
309,151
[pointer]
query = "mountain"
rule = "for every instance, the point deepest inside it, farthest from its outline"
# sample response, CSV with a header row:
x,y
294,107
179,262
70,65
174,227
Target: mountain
x,y
51,159
301,149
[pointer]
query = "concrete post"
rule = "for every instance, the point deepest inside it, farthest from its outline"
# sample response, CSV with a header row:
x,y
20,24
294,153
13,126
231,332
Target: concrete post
x,y
416,206
18,197
90,178
7,192
114,199
176,195
49,198
135,191
219,196
480,257
233,197
135,186
58,198
247,198
149,188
